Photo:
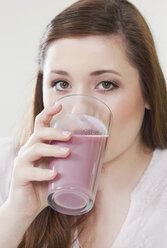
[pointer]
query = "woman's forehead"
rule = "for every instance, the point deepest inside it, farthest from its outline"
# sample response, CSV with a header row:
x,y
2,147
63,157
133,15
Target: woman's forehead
x,y
88,54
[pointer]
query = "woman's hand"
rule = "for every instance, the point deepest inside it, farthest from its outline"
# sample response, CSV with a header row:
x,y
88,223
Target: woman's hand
x,y
28,191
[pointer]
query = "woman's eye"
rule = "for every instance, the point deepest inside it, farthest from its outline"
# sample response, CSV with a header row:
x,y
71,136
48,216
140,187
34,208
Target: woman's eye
x,y
60,85
107,85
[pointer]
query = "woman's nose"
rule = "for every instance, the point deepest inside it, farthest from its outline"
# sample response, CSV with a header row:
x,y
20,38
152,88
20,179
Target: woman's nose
x,y
83,105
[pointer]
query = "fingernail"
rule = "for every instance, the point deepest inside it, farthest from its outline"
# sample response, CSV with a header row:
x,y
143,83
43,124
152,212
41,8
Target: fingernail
x,y
66,133
64,149
54,108
56,105
51,172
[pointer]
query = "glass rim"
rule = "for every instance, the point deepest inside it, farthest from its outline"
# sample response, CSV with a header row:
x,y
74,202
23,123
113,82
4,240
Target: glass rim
x,y
93,97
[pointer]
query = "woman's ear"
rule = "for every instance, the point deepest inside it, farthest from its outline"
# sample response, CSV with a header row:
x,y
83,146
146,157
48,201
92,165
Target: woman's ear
x,y
147,106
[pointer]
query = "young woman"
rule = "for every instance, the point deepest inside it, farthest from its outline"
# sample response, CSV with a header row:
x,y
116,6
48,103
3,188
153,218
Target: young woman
x,y
101,48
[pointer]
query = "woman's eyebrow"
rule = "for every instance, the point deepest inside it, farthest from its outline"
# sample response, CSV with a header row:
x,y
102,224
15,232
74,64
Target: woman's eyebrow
x,y
60,72
94,73
99,72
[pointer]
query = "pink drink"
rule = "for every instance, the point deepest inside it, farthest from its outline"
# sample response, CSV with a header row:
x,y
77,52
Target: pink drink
x,y
74,188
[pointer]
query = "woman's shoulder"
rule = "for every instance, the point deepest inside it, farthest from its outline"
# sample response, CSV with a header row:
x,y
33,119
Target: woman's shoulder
x,y
7,150
162,163
161,154
154,180
6,144
7,155
159,163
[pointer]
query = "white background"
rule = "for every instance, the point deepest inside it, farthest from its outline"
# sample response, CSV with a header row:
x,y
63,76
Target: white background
x,y
22,23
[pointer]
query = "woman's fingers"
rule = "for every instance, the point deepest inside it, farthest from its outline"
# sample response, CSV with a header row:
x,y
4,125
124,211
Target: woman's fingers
x,y
39,150
43,119
46,134
29,174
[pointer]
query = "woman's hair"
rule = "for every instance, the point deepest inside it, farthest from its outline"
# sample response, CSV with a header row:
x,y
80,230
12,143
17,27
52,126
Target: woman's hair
x,y
99,17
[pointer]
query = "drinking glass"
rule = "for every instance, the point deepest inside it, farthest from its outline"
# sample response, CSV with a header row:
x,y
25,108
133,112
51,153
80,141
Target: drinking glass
x,y
73,190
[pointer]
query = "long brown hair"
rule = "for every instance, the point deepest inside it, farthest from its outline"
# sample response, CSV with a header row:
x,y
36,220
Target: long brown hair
x,y
100,17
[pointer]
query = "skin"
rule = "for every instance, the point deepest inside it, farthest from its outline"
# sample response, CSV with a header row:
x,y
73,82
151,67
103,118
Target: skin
x,y
126,158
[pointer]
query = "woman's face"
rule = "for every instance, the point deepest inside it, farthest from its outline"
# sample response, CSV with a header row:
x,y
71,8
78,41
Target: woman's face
x,y
98,66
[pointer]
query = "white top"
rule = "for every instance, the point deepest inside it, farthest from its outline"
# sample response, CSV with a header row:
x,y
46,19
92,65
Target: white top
x,y
146,223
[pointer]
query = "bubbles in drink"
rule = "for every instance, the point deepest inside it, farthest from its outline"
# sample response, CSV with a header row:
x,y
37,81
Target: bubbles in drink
x,y
85,123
